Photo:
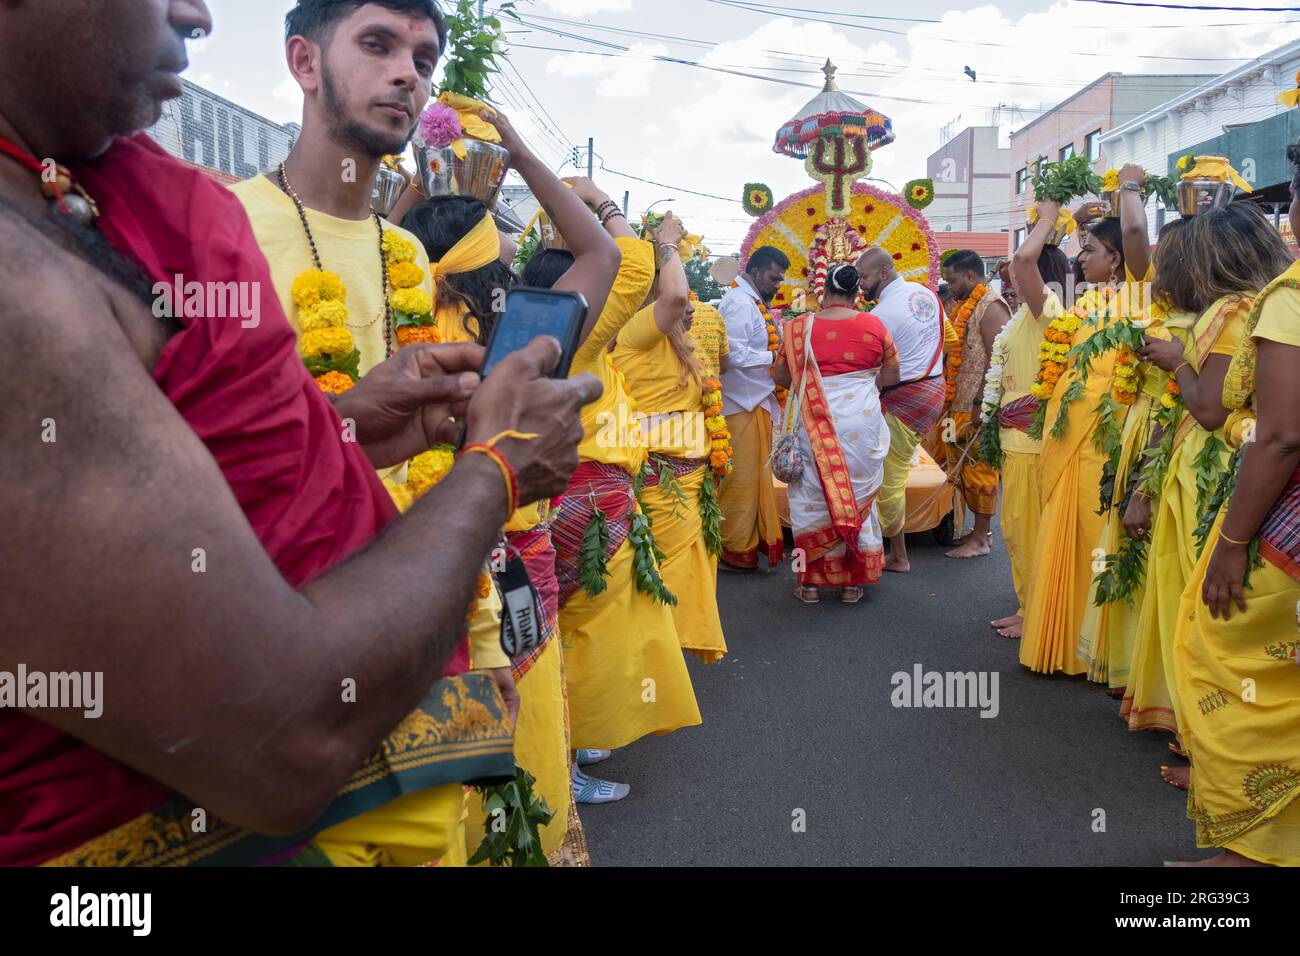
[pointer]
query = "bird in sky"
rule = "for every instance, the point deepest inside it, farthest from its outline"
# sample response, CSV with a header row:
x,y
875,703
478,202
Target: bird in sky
x,y
969,72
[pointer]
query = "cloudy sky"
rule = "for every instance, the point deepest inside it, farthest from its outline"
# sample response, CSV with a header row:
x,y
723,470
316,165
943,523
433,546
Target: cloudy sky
x,y
580,68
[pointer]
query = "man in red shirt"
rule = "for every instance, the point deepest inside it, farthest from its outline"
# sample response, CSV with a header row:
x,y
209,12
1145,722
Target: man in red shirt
x,y
135,445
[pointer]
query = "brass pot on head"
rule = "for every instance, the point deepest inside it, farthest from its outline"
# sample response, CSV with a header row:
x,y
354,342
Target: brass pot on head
x,y
551,238
388,187
1111,198
479,175
1197,195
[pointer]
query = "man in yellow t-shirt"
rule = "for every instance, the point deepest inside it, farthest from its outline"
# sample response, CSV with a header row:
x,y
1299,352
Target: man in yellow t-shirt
x,y
314,211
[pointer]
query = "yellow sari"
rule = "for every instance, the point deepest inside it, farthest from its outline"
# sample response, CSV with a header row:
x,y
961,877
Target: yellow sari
x,y
1149,702
1237,681
1070,472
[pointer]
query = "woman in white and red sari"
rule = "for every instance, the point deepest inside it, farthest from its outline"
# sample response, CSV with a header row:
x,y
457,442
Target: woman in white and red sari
x,y
843,440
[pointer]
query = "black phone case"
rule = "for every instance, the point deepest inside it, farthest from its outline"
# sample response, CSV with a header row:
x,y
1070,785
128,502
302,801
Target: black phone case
x,y
569,348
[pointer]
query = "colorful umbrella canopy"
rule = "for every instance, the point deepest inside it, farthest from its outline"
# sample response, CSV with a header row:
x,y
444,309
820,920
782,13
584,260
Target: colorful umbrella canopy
x,y
830,114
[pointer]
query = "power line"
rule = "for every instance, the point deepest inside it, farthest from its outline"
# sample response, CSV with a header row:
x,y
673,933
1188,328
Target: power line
x,y
680,61
883,71
1185,6
751,8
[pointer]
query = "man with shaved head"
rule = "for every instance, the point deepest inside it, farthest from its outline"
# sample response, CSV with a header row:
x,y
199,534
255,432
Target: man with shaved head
x,y
914,318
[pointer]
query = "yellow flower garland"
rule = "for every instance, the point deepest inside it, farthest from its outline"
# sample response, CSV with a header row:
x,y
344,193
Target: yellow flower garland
x,y
1124,385
326,343
423,472
716,424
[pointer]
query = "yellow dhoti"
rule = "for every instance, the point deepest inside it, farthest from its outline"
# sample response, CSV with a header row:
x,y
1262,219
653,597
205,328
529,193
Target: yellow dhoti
x,y
413,830
624,668
1021,507
1239,691
891,499
689,571
979,482
540,748
747,496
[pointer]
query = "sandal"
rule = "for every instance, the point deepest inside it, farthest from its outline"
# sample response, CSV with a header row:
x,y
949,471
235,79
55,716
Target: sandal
x,y
807,594
852,594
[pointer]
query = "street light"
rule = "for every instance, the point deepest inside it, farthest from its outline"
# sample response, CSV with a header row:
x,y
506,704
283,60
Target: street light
x,y
872,179
657,202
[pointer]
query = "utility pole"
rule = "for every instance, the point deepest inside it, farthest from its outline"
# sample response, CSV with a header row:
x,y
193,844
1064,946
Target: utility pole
x,y
626,194
591,156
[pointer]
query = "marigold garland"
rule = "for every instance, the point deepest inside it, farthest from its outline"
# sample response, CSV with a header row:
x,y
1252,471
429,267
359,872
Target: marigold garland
x,y
990,436
1052,352
1124,384
960,320
716,425
773,346
423,472
327,345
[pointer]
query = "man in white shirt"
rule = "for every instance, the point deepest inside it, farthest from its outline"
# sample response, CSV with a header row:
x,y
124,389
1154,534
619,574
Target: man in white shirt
x,y
914,317
747,497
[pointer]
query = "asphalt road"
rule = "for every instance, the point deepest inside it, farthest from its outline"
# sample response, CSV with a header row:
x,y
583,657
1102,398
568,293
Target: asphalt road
x,y
798,717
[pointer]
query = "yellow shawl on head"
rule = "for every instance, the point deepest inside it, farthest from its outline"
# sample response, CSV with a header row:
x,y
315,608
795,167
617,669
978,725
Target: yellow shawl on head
x,y
477,248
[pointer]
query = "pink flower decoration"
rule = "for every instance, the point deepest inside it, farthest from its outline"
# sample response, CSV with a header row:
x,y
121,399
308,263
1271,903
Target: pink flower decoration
x,y
440,126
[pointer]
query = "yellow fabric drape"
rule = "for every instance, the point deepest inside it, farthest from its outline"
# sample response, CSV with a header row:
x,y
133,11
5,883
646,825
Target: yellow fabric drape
x,y
688,569
1245,771
624,666
891,499
747,496
540,748
1070,470
1150,702
1216,168
1021,510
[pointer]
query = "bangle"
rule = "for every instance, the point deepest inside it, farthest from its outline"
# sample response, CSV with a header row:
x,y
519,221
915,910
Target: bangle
x,y
1134,187
607,202
1174,373
609,214
508,473
1240,544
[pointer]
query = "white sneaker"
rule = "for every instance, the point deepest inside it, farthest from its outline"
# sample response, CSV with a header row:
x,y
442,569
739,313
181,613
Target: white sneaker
x,y
594,790
587,757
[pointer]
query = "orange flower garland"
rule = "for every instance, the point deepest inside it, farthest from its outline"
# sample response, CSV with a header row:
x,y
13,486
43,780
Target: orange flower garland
x,y
1124,384
773,346
716,424
959,323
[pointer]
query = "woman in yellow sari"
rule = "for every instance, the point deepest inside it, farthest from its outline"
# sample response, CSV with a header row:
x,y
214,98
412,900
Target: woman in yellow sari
x,y
469,276
625,673
1071,464
1236,640
1236,253
678,492
1106,639
1038,272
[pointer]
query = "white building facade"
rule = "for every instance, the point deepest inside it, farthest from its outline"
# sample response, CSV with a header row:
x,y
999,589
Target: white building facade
x,y
1244,95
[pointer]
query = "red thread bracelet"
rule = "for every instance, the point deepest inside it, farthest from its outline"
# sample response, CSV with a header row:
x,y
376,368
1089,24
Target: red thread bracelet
x,y
508,473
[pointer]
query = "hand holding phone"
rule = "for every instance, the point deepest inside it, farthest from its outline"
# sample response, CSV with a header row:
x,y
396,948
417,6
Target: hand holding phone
x,y
525,398
531,313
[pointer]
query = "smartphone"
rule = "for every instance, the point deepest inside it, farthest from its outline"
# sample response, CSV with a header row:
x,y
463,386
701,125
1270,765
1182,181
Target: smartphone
x,y
533,312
